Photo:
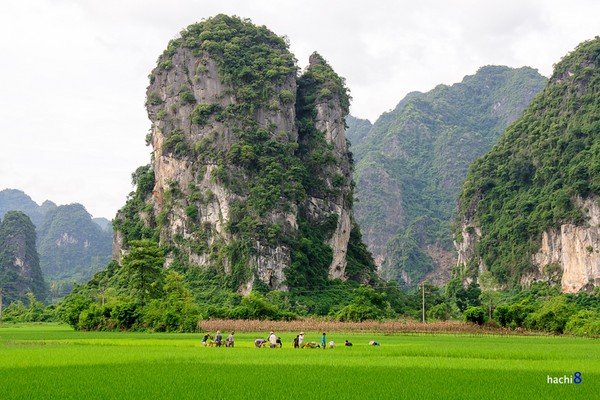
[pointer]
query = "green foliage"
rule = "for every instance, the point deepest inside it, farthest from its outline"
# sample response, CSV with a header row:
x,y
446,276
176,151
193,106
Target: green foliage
x,y
528,182
440,312
311,258
154,99
476,315
175,143
251,58
464,297
143,179
35,311
71,307
360,265
552,316
143,266
128,220
186,96
584,323
203,112
367,304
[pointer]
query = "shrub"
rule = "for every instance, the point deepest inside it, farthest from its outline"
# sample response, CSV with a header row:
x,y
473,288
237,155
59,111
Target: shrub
x,y
502,315
476,315
286,96
439,312
91,318
203,111
125,314
154,99
552,316
186,97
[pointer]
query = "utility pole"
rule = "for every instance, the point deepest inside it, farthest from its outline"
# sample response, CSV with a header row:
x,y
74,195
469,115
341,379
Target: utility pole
x,y
423,300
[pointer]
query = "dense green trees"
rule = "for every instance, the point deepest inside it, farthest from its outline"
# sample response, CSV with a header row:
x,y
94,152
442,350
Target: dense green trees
x,y
531,178
143,270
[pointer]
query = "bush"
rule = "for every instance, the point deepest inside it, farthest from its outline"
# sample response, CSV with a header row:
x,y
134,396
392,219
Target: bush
x,y
125,314
476,315
92,318
203,111
552,316
502,315
440,312
186,97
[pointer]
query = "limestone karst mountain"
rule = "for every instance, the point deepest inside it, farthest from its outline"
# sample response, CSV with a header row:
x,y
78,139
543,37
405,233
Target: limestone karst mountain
x,y
20,271
529,207
250,176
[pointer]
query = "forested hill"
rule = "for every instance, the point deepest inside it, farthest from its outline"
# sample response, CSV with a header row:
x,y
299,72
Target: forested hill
x,y
529,207
251,179
20,271
411,163
71,246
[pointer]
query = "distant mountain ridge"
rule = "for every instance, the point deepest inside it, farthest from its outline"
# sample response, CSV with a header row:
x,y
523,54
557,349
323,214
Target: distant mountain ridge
x,y
411,162
71,245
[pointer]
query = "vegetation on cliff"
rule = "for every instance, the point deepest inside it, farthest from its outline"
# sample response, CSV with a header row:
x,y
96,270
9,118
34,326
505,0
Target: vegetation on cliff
x,y
529,180
20,271
412,162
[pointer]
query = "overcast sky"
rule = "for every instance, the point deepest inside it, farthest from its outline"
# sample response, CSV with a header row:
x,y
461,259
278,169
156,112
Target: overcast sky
x,y
73,73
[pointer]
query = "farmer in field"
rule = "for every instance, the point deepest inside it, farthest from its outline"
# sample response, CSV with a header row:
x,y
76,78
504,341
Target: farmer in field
x,y
272,340
348,344
311,345
323,340
260,343
218,339
205,339
229,340
296,342
301,339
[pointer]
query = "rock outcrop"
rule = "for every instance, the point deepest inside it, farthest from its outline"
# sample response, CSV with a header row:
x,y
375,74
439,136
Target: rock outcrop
x,y
529,207
20,271
231,165
571,251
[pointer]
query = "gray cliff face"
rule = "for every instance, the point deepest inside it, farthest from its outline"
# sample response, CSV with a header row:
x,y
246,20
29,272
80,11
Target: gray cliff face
x,y
331,120
572,252
200,76
569,254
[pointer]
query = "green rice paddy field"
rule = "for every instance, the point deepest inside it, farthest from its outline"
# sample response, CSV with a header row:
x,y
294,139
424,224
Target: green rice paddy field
x,y
54,362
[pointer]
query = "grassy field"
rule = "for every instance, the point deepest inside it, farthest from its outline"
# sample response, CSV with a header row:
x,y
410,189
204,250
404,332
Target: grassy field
x,y
54,362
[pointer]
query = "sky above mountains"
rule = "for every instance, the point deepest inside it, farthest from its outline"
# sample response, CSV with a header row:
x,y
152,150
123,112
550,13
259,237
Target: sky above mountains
x,y
74,72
